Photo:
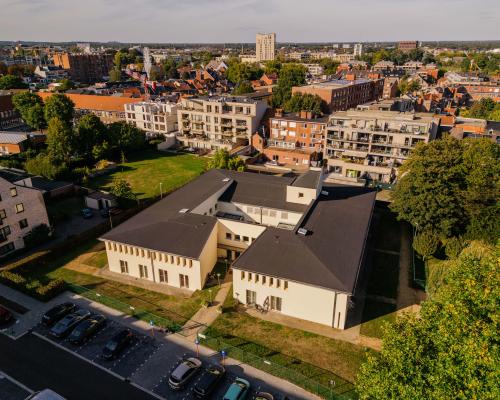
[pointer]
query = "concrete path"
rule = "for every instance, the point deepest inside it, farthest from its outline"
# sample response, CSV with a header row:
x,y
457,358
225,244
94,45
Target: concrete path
x,y
408,298
205,316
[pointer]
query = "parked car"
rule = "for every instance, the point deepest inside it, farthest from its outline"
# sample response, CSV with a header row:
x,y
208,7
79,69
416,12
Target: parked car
x,y
86,328
263,396
57,312
64,327
184,372
87,213
117,344
238,390
5,315
210,379
45,394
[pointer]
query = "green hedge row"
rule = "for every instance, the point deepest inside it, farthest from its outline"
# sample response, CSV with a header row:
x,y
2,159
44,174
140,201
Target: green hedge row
x,y
33,288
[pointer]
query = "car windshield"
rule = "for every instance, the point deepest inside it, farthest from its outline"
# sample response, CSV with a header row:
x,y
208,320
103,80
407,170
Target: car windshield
x,y
112,345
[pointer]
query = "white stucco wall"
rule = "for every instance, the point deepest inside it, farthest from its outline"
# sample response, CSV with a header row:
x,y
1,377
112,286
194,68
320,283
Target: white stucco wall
x,y
299,300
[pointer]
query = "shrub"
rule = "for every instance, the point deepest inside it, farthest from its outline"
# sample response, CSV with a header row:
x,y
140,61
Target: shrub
x,y
454,247
12,279
426,243
33,288
52,289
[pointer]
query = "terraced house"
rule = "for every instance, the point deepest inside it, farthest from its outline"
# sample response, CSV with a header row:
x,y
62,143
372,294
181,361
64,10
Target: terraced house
x,y
371,145
296,245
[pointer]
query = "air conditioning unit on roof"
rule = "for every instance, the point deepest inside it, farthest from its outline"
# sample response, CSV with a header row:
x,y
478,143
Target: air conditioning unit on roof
x,y
184,210
302,231
226,180
324,193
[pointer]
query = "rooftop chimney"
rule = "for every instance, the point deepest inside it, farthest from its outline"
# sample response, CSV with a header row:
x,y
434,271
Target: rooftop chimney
x,y
351,76
279,113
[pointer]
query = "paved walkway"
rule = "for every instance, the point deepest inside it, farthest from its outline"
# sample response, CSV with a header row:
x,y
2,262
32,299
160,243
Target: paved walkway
x,y
408,298
205,316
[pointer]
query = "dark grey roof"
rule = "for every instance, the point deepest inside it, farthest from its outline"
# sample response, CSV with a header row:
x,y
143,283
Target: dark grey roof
x,y
40,183
185,235
309,180
260,190
331,253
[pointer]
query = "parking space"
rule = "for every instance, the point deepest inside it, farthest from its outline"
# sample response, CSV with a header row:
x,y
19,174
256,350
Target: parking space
x,y
12,390
151,357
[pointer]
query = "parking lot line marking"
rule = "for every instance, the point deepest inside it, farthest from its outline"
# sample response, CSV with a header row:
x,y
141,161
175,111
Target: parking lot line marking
x,y
16,382
147,391
79,356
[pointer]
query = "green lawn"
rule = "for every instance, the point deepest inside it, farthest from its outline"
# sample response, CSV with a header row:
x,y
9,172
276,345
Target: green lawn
x,y
147,169
293,353
375,315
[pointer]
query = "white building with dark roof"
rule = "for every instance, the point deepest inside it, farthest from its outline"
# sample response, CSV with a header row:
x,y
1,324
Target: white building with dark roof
x,y
296,245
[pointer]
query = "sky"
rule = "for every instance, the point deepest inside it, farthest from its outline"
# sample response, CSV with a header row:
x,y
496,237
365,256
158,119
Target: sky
x,y
237,21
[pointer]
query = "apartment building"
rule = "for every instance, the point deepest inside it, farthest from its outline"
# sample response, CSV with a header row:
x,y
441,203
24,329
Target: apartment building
x,y
407,45
83,67
109,109
21,209
265,44
342,94
371,145
9,117
215,122
12,142
295,139
154,117
285,236
50,73
390,87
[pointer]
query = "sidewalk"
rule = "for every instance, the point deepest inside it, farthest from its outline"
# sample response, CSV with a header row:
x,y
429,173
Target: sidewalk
x,y
204,317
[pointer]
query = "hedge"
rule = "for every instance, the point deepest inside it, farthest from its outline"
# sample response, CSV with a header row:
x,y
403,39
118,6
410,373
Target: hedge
x,y
33,288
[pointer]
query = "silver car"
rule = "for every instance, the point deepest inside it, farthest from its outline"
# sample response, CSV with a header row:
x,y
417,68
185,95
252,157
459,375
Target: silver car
x,y
184,372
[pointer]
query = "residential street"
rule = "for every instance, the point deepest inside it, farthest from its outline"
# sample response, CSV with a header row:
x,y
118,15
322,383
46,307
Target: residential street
x,y
40,365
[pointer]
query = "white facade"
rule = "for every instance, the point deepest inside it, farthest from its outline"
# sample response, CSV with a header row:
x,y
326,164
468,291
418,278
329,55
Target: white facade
x,y
298,300
21,209
264,46
153,117
358,49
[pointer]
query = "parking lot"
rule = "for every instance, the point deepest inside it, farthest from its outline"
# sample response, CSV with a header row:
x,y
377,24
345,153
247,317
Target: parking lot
x,y
149,360
12,390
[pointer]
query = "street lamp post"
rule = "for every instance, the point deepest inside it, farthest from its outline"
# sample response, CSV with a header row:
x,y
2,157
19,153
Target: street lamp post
x,y
218,278
161,190
210,296
332,385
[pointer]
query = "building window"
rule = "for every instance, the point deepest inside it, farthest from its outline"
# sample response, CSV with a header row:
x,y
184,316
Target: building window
x,y
272,213
3,215
229,236
4,232
163,275
124,267
278,283
275,303
242,275
263,280
23,223
245,238
143,271
237,237
190,263
19,208
285,285
142,253
271,281
251,297
256,278
249,276
13,192
6,248
184,280
301,194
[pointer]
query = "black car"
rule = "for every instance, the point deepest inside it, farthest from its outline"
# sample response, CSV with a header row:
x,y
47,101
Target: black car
x,y
184,372
57,312
86,328
117,344
64,327
5,315
263,396
211,377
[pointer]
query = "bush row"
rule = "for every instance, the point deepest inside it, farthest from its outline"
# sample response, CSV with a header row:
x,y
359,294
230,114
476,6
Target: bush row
x,y
33,288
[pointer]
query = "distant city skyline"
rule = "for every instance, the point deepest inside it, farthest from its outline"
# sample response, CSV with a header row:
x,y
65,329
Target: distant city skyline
x,y
237,21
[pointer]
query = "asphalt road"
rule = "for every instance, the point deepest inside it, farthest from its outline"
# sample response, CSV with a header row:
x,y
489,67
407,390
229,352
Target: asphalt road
x,y
40,365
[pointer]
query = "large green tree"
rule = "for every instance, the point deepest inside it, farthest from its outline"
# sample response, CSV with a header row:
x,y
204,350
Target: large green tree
x,y
125,137
243,87
11,82
59,106
223,160
31,108
450,350
305,102
89,132
290,75
60,141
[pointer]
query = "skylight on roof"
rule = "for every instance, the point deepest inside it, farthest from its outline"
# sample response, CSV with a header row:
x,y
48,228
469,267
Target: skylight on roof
x,y
302,231
184,210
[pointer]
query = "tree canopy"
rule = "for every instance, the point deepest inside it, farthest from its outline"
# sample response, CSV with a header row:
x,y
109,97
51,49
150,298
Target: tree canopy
x,y
11,82
485,109
243,87
59,106
223,160
238,72
31,108
451,349
451,187
290,75
305,102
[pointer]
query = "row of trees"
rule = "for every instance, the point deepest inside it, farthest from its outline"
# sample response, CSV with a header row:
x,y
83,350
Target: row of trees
x,y
223,160
448,190
485,109
397,56
11,82
72,142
